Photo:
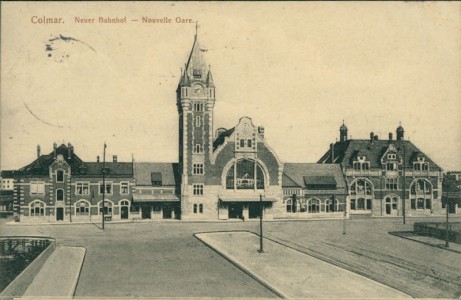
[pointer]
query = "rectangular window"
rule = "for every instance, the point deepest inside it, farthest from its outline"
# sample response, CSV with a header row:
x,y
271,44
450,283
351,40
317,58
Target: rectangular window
x,y
195,208
425,166
198,121
413,204
391,184
390,167
82,188
200,208
198,148
356,165
366,166
198,189
124,188
59,176
197,169
198,106
37,188
353,204
108,190
417,166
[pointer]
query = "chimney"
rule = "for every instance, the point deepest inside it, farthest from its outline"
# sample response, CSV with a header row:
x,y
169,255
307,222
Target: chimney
x,y
332,152
55,146
261,131
390,136
97,158
114,158
38,151
372,136
69,150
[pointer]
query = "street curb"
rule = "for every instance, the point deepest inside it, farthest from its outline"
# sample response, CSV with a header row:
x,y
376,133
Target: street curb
x,y
74,287
428,244
242,267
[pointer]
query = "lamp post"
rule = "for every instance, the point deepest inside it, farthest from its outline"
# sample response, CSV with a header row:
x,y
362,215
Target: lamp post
x,y
103,185
261,249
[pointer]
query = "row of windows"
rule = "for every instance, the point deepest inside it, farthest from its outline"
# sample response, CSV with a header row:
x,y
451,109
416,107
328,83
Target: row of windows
x,y
246,143
314,205
82,207
198,208
82,188
364,187
390,166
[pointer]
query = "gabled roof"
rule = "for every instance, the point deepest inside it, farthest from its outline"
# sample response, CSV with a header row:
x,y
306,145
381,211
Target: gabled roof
x,y
169,173
294,174
41,165
347,152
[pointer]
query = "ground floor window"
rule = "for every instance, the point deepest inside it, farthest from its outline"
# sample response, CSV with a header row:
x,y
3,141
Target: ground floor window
x,y
198,208
107,207
421,203
37,209
82,207
360,204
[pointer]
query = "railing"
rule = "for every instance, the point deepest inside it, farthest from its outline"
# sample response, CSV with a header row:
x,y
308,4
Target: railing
x,y
438,230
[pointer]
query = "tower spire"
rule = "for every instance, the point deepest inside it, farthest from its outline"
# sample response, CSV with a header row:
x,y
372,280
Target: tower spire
x,y
196,28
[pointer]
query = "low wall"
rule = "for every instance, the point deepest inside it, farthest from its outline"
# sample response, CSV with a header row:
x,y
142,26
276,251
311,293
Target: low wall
x,y
438,230
20,284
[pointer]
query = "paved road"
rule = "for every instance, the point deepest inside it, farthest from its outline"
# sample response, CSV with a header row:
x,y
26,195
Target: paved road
x,y
165,260
149,260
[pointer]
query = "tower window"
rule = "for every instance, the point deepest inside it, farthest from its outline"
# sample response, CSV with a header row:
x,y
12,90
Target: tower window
x,y
197,73
249,143
197,169
242,143
198,122
198,148
59,195
198,189
198,106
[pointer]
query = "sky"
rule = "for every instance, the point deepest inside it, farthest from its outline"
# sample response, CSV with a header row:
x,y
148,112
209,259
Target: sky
x,y
298,69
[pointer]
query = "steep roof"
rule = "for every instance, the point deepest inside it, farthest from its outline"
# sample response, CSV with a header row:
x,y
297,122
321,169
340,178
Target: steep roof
x,y
124,169
144,171
295,174
196,68
41,165
347,152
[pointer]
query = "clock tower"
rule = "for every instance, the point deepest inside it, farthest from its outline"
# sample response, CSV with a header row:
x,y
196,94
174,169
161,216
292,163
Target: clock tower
x,y
195,98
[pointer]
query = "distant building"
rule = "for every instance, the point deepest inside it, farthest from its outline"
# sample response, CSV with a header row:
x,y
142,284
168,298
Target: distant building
x,y
452,191
60,186
6,193
314,190
157,190
380,173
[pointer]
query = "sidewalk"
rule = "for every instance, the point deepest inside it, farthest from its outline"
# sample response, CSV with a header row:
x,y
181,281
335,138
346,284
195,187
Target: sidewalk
x,y
59,275
428,240
293,274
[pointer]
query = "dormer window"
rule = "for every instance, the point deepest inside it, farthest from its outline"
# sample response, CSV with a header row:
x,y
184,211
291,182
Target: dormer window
x,y
361,165
421,166
391,156
391,166
197,73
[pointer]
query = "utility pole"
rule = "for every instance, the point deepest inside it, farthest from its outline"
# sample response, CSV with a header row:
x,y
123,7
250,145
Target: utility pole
x,y
103,185
261,249
446,208
403,187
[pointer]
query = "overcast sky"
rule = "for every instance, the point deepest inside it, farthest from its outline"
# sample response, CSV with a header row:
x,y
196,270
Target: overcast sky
x,y
298,69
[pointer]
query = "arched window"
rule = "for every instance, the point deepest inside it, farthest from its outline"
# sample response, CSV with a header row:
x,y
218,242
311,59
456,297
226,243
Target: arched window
x,y
313,205
244,175
37,208
82,208
107,207
361,194
59,195
421,194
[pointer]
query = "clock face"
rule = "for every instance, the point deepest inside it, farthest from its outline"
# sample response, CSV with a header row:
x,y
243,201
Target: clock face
x,y
198,89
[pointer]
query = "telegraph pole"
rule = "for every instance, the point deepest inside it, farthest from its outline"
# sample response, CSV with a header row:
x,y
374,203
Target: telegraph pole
x,y
404,179
446,208
103,185
261,249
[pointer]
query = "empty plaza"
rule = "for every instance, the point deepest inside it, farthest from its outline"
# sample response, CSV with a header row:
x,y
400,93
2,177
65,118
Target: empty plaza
x,y
165,259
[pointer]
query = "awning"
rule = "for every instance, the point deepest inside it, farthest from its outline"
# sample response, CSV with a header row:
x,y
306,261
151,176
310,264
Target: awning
x,y
155,198
248,199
